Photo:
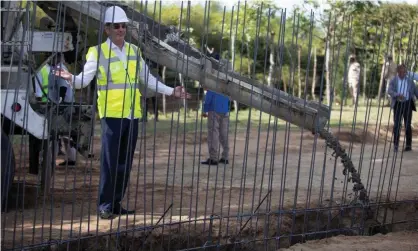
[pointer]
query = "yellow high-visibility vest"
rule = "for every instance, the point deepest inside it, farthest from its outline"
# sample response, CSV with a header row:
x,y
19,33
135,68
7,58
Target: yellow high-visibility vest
x,y
118,91
45,82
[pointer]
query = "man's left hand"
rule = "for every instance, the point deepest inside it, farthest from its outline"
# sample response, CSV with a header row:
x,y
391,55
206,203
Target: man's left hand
x,y
63,74
179,92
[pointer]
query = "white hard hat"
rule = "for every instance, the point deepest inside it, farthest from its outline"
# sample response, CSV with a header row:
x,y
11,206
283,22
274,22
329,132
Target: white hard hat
x,y
115,14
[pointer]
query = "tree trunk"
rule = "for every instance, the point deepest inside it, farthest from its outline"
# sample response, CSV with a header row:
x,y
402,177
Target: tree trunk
x,y
379,95
391,36
382,75
249,59
284,86
233,61
299,76
364,82
271,68
233,49
314,76
291,71
328,73
292,81
393,54
164,98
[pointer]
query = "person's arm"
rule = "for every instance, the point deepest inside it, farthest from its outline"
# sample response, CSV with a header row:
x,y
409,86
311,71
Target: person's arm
x,y
207,102
84,78
66,81
413,75
416,89
153,82
38,84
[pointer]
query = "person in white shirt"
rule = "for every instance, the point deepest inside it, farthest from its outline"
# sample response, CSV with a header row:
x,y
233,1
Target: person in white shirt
x,y
119,113
51,89
354,78
39,82
64,98
403,92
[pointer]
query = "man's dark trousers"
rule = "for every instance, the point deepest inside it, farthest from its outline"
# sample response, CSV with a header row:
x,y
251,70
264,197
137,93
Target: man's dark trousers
x,y
119,137
403,110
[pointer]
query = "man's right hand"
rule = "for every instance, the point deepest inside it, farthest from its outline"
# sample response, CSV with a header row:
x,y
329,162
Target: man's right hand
x,y
400,97
180,92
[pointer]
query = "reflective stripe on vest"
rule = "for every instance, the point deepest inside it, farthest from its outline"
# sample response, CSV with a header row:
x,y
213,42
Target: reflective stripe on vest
x,y
105,63
45,82
117,85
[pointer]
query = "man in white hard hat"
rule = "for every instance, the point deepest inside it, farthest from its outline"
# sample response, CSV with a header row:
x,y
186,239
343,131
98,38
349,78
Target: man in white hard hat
x,y
118,104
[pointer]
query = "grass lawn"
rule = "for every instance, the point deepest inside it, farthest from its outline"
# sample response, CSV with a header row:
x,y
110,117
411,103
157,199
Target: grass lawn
x,y
178,122
340,116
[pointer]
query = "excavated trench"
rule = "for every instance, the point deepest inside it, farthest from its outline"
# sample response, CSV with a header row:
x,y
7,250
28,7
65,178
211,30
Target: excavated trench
x,y
307,226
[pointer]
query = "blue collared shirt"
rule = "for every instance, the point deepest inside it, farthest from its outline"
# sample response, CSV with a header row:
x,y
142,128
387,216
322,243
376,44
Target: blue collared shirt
x,y
215,102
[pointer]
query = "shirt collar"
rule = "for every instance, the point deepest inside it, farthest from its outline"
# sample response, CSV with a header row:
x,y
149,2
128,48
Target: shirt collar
x,y
113,45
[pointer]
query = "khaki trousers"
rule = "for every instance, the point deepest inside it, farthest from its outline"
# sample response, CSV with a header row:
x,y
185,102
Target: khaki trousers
x,y
218,132
354,90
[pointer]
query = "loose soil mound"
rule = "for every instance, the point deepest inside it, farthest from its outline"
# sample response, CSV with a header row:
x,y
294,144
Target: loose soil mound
x,y
402,241
357,137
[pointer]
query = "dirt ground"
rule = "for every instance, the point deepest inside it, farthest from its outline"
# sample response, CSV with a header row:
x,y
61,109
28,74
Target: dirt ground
x,y
393,241
278,180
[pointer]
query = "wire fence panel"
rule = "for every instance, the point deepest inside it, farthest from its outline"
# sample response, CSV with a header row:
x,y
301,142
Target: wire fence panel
x,y
249,127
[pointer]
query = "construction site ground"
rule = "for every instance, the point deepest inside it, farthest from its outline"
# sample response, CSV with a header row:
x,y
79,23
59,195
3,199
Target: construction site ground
x,y
393,241
169,174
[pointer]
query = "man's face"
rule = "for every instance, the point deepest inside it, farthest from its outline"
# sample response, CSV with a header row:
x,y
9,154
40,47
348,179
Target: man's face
x,y
401,72
116,32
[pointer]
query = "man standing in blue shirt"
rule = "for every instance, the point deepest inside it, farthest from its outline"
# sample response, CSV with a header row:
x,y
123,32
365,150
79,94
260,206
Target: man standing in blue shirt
x,y
403,92
216,109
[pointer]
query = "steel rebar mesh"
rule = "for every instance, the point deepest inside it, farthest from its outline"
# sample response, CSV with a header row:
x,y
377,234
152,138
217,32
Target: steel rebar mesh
x,y
285,183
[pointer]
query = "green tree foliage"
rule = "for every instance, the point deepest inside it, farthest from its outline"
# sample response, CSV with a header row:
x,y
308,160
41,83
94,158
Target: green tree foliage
x,y
249,33
370,31
366,29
